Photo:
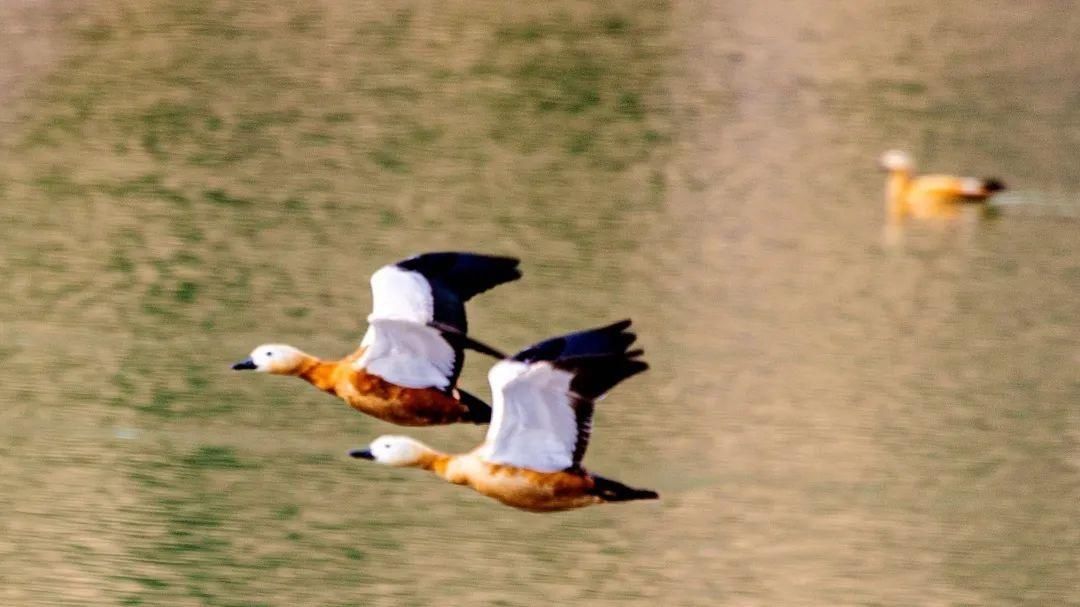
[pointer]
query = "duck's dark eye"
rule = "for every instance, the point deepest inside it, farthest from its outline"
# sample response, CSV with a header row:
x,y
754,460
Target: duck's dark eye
x,y
269,354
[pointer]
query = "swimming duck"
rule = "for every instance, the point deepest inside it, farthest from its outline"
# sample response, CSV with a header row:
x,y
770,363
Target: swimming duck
x,y
405,371
929,196
543,405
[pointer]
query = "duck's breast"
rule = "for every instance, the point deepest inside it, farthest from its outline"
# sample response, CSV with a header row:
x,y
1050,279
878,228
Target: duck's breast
x,y
520,487
398,405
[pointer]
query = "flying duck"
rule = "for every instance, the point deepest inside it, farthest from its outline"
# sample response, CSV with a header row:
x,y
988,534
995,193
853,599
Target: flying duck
x,y
543,405
405,371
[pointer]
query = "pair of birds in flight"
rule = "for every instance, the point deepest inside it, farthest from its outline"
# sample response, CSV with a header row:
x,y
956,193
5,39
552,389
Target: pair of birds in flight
x,y
406,369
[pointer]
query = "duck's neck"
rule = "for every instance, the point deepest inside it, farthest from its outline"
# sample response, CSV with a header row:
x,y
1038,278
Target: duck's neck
x,y
319,373
434,461
895,193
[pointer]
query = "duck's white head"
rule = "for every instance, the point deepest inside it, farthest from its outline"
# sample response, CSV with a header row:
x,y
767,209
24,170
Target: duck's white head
x,y
393,451
896,160
278,359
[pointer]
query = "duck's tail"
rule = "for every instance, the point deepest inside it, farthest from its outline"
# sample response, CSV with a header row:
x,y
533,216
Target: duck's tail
x,y
465,274
479,411
977,190
614,491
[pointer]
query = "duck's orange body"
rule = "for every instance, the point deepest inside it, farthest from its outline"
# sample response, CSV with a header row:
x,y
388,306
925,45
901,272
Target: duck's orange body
x,y
406,368
379,398
518,487
933,196
930,196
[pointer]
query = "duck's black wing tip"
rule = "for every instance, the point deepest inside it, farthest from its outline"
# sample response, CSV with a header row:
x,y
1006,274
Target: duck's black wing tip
x,y
455,278
464,274
595,376
608,340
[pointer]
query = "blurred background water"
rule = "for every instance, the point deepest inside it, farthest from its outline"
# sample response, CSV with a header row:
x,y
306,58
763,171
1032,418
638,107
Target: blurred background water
x,y
828,422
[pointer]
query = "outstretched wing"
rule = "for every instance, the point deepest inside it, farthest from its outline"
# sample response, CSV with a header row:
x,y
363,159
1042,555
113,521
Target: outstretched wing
x,y
533,424
432,289
611,339
398,294
543,398
408,354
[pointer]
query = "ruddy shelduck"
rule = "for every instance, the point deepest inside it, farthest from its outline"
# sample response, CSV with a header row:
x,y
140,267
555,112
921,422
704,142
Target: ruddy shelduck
x,y
543,405
929,196
405,371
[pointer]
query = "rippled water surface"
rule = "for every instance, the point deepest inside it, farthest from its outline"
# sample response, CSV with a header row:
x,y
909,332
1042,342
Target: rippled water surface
x,y
829,421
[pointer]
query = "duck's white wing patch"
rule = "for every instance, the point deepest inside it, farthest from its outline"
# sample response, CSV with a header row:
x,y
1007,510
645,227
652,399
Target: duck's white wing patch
x,y
407,354
399,294
532,421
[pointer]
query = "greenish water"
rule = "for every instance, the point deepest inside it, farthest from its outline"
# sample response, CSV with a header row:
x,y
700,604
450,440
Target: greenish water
x,y
828,421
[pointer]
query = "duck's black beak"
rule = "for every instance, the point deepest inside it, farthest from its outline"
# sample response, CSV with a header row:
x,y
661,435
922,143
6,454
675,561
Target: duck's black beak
x,y
245,365
361,454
